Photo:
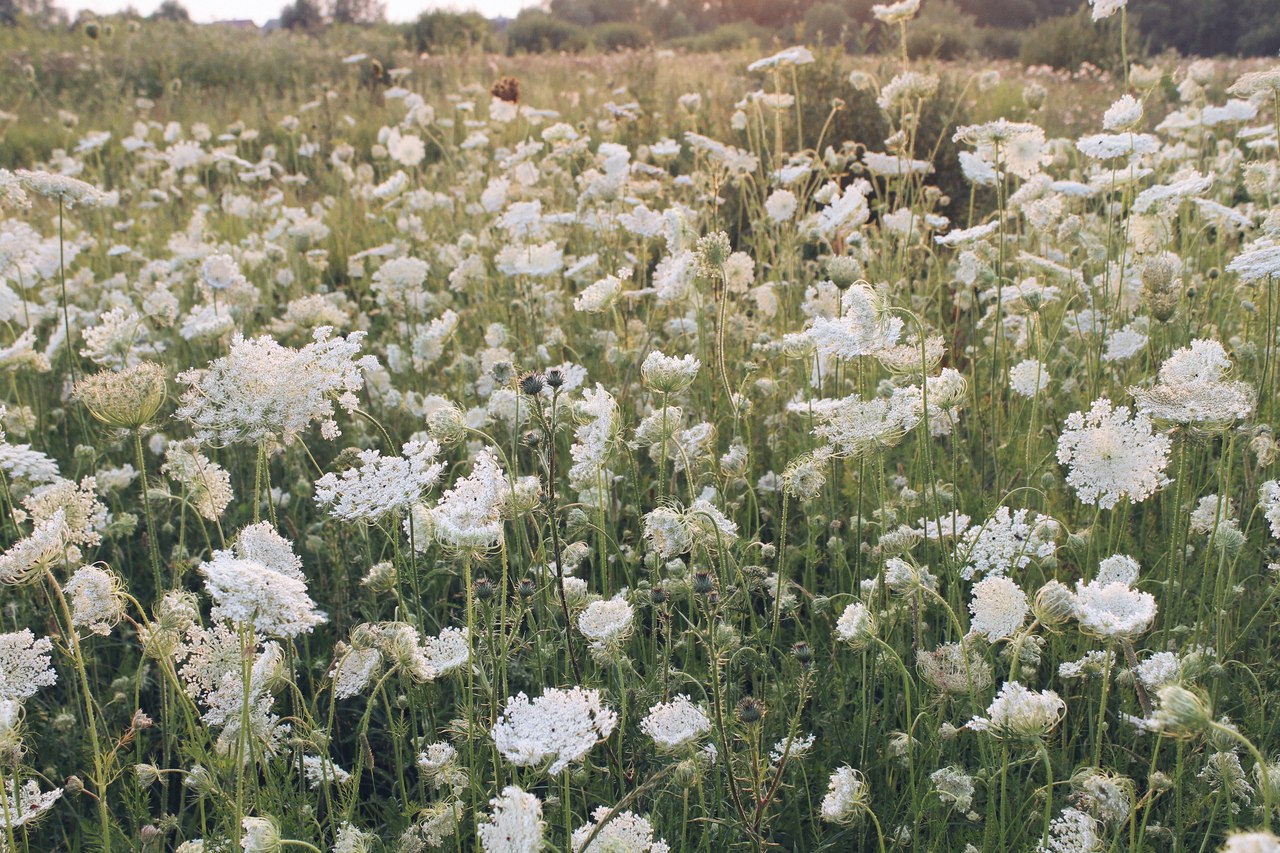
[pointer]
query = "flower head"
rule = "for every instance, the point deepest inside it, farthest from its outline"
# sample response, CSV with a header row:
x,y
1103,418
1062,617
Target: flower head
x,y
559,727
1112,456
1021,714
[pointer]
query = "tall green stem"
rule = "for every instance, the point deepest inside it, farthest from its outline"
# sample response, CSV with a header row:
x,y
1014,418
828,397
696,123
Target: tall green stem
x,y
153,543
91,713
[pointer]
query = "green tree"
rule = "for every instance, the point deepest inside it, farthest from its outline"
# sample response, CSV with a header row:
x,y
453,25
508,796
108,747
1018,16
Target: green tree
x,y
302,15
358,11
450,32
1070,40
620,35
171,10
535,31
830,24
42,13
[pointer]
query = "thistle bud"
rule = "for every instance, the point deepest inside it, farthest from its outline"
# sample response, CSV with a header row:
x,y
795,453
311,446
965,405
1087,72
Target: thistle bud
x,y
526,588
803,653
750,711
532,384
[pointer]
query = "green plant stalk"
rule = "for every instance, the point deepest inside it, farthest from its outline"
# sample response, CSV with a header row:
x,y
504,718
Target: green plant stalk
x,y
91,715
153,543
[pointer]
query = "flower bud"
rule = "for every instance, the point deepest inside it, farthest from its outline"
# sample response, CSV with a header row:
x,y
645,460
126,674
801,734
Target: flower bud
x,y
1055,604
1182,713
148,774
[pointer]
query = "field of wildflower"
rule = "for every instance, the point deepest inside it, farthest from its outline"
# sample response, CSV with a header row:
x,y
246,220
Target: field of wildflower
x,y
640,453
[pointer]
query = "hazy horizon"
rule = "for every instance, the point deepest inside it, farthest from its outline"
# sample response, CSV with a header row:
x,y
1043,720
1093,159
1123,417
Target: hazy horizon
x,y
206,11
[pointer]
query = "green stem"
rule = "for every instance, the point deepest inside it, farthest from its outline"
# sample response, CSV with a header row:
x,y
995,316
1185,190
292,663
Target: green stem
x,y
153,544
77,657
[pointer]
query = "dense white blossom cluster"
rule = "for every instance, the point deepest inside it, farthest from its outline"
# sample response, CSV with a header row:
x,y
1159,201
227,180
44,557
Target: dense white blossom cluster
x,y
1112,456
560,726
261,392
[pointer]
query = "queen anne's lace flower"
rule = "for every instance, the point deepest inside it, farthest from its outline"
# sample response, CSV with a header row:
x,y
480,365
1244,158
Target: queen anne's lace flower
x,y
853,427
354,670
1123,114
676,724
440,764
1118,568
1252,842
669,374
1110,456
846,798
84,515
1113,610
864,327
1028,377
319,770
31,555
514,823
709,526
955,669
999,608
593,437
208,484
792,747
1008,541
626,832
791,56
1073,831
856,625
1019,713
1192,388
666,532
24,664
446,652
598,296
781,205
606,623
210,663
559,726
71,191
398,282
469,515
26,804
1107,146
262,392
381,485
260,582
1015,146
96,599
1269,504
261,835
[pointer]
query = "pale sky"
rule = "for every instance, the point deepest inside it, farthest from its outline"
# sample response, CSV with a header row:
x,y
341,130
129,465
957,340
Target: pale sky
x,y
261,11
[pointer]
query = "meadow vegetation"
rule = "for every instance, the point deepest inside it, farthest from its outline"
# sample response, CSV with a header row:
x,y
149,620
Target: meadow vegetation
x,y
635,452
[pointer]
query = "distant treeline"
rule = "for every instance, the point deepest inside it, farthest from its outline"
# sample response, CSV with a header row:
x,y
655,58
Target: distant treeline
x,y
1192,27
1050,32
